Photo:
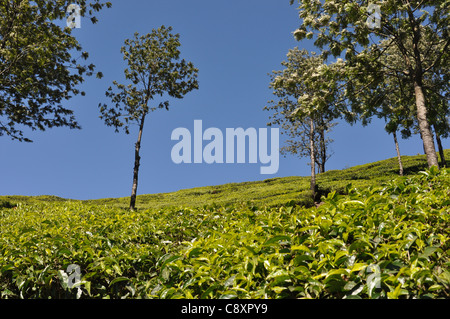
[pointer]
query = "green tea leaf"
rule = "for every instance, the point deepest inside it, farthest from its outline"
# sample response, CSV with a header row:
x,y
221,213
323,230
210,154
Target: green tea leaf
x,y
276,239
118,279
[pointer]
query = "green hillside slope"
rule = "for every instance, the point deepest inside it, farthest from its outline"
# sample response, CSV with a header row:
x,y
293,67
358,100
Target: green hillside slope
x,y
269,192
390,241
279,191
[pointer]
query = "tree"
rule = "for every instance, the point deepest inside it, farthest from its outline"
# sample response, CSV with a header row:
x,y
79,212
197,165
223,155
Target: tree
x,y
37,70
324,126
440,114
298,142
397,102
395,106
392,128
340,28
307,105
154,69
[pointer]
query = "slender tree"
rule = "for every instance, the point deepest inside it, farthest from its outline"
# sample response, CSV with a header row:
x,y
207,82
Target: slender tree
x,y
399,157
397,102
37,69
440,116
298,141
341,28
395,109
306,104
154,70
441,150
324,153
392,128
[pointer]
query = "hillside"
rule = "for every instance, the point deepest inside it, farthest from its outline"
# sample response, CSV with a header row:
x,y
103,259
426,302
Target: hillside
x,y
270,192
389,241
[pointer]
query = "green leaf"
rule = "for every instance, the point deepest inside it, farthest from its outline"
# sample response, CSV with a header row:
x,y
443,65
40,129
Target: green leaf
x,y
229,281
195,252
228,296
276,239
352,297
166,259
356,202
350,285
63,251
373,281
278,273
358,267
7,268
300,259
27,230
63,278
359,245
394,294
340,271
118,279
189,282
299,247
428,251
167,293
87,286
250,249
278,290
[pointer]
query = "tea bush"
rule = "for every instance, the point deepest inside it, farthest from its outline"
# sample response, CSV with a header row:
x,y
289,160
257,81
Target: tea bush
x,y
278,192
389,241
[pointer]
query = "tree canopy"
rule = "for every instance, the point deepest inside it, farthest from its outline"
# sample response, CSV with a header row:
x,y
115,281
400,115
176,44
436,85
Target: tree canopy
x,y
288,86
154,70
37,70
307,91
416,30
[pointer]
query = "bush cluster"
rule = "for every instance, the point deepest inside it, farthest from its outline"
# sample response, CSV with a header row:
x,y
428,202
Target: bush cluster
x,y
390,241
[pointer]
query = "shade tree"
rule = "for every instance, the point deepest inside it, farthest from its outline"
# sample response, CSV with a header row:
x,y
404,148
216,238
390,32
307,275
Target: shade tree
x,y
417,29
41,65
306,106
155,72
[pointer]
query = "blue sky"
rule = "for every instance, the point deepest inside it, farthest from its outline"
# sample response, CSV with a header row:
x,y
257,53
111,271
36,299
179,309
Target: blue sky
x,y
234,44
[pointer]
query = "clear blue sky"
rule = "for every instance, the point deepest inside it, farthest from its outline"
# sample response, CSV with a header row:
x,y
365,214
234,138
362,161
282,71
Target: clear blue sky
x,y
234,44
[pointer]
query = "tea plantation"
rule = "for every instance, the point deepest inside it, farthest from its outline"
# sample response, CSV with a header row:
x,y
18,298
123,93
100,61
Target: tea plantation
x,y
389,239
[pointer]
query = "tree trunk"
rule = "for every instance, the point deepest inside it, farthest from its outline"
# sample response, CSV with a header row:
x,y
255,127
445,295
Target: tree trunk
x,y
424,126
441,149
400,164
323,148
313,157
424,152
137,160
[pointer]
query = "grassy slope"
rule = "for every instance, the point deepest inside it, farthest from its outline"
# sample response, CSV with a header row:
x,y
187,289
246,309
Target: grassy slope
x,y
270,192
278,191
401,229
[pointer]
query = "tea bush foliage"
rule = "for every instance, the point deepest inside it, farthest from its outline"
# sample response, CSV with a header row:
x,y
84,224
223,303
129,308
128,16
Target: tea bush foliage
x,y
281,191
387,241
